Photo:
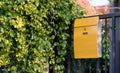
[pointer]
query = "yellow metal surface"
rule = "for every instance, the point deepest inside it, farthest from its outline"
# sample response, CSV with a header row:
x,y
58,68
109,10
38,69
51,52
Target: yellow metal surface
x,y
86,38
86,21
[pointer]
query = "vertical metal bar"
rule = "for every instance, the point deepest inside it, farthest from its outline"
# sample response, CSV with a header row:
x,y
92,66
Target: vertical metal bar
x,y
106,32
117,46
82,65
68,65
1,71
113,49
117,57
97,65
114,43
90,68
79,62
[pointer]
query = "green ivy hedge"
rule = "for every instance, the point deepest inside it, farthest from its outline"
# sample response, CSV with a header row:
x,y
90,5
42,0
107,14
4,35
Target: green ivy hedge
x,y
34,33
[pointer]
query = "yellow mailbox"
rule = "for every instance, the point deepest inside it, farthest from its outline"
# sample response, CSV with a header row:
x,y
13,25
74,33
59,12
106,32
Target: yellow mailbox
x,y
86,38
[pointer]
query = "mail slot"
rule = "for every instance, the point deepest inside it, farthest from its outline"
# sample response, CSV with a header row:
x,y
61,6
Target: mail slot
x,y
86,38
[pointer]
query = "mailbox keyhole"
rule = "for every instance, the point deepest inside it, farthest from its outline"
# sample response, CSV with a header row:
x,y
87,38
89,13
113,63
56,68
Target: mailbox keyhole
x,y
84,29
85,33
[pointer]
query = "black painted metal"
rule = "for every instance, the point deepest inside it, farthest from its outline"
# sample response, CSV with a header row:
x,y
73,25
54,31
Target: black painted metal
x,y
106,32
113,50
115,47
1,70
104,16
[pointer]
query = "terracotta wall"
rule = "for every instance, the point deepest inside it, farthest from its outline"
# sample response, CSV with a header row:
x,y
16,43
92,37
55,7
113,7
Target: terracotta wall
x,y
91,10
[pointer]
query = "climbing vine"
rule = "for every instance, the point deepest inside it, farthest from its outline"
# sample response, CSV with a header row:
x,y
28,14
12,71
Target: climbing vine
x,y
34,33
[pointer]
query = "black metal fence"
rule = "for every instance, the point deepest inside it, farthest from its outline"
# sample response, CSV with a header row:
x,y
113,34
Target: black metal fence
x,y
110,61
115,40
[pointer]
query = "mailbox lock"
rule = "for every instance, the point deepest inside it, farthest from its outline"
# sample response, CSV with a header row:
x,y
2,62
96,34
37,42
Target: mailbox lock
x,y
85,33
84,29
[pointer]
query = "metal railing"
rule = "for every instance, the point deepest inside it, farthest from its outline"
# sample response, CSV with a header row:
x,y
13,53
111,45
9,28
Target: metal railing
x,y
111,23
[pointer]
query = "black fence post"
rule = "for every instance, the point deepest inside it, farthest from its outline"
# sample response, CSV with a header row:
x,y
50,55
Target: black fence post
x,y
97,65
106,32
113,49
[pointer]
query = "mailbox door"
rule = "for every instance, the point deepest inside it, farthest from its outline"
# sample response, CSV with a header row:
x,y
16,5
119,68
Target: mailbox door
x,y
85,42
86,38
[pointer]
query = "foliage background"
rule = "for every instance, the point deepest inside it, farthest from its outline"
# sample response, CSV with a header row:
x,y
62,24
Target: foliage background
x,y
34,33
